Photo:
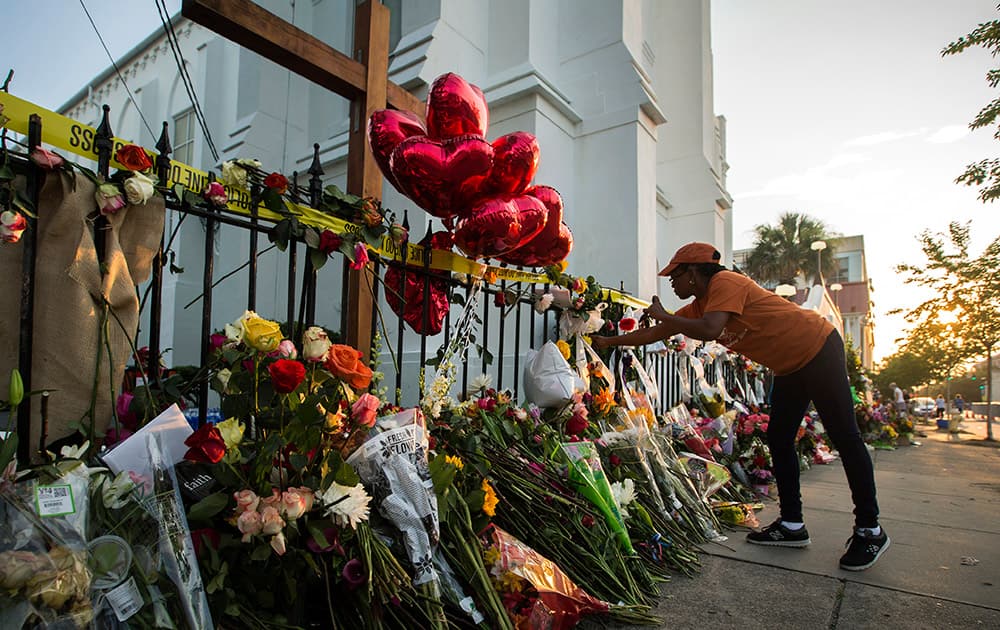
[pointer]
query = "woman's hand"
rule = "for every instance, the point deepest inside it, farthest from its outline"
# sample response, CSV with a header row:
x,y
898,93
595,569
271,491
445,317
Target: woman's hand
x,y
600,343
656,310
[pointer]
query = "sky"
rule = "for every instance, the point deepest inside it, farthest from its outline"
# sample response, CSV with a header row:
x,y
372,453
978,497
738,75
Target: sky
x,y
844,111
847,112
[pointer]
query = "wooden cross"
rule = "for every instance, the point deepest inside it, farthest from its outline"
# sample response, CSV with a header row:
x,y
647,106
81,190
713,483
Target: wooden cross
x,y
363,79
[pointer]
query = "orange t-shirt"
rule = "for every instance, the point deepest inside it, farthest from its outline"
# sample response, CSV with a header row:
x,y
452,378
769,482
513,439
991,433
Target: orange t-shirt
x,y
763,326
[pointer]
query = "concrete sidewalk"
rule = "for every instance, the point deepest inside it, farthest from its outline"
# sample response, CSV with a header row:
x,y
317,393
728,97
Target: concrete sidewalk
x,y
940,505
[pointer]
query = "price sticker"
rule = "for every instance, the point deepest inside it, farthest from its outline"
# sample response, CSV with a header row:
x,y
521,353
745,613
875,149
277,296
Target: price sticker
x,y
54,500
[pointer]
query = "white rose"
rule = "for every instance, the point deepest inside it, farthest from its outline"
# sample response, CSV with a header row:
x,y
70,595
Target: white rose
x,y
138,189
222,380
315,344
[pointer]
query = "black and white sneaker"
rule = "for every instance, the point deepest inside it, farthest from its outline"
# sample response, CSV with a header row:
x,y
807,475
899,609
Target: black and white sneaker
x,y
777,535
863,550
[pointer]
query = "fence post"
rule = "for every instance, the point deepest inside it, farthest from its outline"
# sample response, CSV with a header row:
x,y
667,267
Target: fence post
x,y
103,146
156,282
315,200
26,337
206,308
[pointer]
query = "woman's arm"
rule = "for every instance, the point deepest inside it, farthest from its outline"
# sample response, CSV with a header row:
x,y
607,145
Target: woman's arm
x,y
705,328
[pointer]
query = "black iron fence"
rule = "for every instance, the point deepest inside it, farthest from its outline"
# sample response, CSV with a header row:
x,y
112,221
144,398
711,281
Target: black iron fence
x,y
509,325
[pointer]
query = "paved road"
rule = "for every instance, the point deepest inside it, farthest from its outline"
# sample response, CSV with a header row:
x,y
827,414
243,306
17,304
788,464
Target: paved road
x,y
940,504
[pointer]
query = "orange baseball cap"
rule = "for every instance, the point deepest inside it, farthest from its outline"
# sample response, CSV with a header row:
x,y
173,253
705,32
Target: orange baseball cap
x,y
692,253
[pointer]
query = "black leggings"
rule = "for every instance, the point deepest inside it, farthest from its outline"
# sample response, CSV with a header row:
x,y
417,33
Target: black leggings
x,y
824,382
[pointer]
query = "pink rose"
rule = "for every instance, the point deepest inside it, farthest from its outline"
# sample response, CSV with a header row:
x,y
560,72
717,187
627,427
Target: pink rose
x,y
109,199
270,521
286,350
249,523
217,340
293,503
278,543
46,159
246,501
272,501
216,195
360,256
12,224
307,496
364,409
398,234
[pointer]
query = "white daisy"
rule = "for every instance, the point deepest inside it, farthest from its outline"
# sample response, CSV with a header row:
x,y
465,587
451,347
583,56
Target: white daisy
x,y
624,494
346,504
481,383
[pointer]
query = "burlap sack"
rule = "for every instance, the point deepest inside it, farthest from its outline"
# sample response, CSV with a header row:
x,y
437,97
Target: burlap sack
x,y
70,349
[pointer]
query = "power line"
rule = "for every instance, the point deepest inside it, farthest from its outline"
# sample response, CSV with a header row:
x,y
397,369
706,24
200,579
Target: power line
x,y
175,48
118,72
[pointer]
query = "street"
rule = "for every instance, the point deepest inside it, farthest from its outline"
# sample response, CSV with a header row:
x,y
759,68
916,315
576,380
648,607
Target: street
x,y
939,504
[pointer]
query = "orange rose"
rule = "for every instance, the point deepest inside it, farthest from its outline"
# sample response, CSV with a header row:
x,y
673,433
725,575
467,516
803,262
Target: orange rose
x,y
345,363
133,157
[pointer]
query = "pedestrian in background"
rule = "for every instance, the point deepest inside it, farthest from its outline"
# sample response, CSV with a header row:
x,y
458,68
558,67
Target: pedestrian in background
x,y
939,402
960,404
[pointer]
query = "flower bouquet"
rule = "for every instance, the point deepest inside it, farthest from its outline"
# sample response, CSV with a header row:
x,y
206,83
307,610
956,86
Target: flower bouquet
x,y
288,526
86,546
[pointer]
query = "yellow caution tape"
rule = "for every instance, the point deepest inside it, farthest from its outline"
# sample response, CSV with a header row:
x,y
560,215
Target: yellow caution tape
x,y
75,137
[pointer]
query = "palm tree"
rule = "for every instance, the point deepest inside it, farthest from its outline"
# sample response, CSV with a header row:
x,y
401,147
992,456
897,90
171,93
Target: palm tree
x,y
783,251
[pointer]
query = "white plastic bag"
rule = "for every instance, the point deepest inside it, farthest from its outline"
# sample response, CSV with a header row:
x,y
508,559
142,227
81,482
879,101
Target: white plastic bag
x,y
549,381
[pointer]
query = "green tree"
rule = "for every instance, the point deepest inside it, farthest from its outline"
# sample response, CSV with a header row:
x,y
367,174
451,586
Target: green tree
x,y
967,286
783,251
904,368
939,344
985,173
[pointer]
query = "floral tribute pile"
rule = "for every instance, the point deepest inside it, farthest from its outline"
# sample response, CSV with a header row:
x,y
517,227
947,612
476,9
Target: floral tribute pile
x,y
314,502
317,503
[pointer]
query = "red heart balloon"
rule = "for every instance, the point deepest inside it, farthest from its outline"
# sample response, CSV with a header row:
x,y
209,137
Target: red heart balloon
x,y
553,244
499,225
442,176
515,160
386,129
455,108
406,297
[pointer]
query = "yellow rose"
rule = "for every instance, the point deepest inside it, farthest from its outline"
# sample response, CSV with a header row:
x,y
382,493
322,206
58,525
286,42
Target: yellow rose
x,y
261,334
232,432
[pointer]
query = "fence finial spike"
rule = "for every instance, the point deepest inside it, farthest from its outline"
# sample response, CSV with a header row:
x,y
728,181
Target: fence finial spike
x,y
406,219
315,169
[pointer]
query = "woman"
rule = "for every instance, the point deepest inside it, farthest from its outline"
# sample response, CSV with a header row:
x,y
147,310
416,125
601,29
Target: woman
x,y
806,354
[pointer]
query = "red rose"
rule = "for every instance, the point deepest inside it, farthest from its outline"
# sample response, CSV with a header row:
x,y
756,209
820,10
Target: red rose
x,y
627,324
133,157
329,242
276,182
286,375
203,536
615,461
205,445
576,425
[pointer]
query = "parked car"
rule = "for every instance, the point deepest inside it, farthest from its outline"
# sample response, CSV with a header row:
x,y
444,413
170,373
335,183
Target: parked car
x,y
923,406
